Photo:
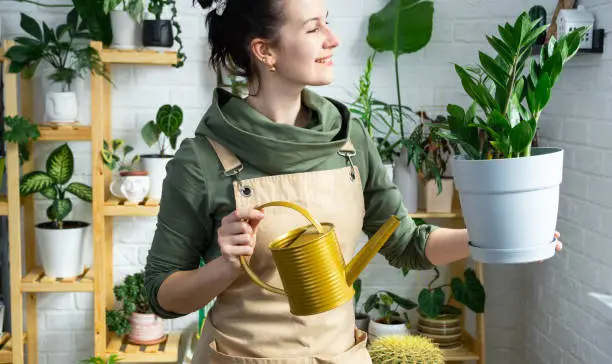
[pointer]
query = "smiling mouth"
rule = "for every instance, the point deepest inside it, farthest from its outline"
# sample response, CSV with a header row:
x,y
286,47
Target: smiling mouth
x,y
325,60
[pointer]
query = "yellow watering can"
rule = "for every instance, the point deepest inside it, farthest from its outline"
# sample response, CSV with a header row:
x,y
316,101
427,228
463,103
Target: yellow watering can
x,y
311,265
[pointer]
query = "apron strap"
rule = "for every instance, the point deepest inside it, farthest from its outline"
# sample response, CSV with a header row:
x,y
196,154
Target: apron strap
x,y
232,165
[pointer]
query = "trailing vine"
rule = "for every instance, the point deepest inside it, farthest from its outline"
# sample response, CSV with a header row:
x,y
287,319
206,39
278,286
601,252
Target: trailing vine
x,y
182,57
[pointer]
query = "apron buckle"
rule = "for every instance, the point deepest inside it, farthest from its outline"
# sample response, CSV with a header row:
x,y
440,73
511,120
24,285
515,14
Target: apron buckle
x,y
348,154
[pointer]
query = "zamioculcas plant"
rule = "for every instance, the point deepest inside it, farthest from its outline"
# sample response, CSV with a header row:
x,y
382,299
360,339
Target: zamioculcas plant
x,y
54,183
509,191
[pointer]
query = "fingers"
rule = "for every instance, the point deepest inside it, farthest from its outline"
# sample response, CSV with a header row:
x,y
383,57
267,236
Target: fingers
x,y
559,246
236,235
557,234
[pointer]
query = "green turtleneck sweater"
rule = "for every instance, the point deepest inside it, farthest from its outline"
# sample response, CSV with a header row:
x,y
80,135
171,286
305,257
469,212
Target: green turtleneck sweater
x,y
196,195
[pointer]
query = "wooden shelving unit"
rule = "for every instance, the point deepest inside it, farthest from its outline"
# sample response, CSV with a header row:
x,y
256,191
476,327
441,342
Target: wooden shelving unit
x,y
28,279
106,207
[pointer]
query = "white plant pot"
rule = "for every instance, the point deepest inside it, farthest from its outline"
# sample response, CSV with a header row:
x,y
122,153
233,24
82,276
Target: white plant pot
x,y
510,206
407,180
362,321
156,166
127,33
61,107
61,250
376,330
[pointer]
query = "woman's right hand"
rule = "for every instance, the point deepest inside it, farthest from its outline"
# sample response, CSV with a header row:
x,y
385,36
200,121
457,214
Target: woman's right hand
x,y
236,235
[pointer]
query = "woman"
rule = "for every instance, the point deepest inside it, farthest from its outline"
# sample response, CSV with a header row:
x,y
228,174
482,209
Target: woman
x,y
283,142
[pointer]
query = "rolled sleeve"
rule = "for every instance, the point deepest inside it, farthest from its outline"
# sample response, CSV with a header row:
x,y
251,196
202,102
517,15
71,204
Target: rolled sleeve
x,y
182,231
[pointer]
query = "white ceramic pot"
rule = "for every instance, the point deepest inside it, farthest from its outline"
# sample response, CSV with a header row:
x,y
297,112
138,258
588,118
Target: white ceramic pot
x,y
442,202
131,186
376,329
510,205
127,33
407,180
61,250
156,166
145,328
61,107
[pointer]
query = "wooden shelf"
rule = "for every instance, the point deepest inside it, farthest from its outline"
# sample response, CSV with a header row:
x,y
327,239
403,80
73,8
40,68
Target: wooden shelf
x,y
67,132
459,354
3,205
138,57
6,347
115,207
436,215
37,281
165,352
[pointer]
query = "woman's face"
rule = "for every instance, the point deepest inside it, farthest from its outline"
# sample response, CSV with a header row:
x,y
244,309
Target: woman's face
x,y
304,52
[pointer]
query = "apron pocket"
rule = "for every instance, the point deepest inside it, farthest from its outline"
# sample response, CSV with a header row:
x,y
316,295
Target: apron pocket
x,y
215,357
357,354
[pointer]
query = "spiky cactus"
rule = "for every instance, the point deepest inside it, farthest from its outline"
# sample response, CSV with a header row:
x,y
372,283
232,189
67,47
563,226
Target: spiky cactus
x,y
405,349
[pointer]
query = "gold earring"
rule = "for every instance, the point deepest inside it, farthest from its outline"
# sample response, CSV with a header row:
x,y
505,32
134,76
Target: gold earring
x,y
273,68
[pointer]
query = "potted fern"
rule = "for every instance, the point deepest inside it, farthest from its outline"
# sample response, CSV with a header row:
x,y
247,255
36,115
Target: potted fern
x,y
133,316
163,131
509,191
59,241
70,60
126,17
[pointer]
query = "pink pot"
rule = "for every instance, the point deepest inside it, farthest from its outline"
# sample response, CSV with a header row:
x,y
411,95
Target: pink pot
x,y
146,328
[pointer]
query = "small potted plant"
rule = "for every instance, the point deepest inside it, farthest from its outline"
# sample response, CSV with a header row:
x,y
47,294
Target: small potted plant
x,y
131,184
134,316
509,191
112,359
61,50
389,322
126,17
362,319
439,320
433,170
59,241
157,33
164,131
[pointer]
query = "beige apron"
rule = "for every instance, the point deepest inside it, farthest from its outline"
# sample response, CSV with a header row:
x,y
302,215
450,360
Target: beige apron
x,y
250,325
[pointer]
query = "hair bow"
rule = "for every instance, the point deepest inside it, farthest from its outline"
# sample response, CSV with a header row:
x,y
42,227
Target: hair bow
x,y
219,6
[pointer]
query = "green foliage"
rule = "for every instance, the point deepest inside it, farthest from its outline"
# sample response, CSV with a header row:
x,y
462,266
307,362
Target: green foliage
x,y
53,183
95,20
112,359
135,8
18,129
168,122
383,302
132,296
510,95
401,27
57,47
468,291
112,159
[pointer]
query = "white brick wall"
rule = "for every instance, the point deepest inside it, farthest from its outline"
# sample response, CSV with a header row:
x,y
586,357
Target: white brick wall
x,y
548,325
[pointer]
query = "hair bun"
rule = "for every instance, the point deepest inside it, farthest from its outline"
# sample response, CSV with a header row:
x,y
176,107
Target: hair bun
x,y
205,4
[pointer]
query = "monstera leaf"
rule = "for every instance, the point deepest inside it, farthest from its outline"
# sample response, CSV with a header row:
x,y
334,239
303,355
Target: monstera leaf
x,y
402,26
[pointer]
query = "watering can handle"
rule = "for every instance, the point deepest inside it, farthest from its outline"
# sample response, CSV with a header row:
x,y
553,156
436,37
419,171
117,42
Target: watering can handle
x,y
243,262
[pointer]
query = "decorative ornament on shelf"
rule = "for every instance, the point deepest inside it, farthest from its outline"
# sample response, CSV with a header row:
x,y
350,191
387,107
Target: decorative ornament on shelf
x,y
571,19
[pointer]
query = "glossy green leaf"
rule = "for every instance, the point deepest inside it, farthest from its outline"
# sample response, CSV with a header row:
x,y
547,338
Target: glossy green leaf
x,y
60,164
521,136
496,118
31,26
169,119
59,209
431,302
402,26
80,190
543,91
402,302
50,193
501,48
33,182
493,70
370,303
150,133
469,292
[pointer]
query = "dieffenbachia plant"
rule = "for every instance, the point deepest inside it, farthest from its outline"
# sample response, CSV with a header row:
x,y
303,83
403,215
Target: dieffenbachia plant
x,y
510,97
53,184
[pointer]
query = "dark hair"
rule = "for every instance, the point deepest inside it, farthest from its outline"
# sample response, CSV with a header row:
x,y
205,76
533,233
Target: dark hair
x,y
230,34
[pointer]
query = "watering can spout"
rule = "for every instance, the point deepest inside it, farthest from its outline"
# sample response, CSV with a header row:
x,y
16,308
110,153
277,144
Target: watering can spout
x,y
369,251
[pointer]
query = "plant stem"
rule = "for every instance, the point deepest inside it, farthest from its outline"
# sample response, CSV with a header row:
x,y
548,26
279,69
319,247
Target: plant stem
x,y
45,5
399,94
435,278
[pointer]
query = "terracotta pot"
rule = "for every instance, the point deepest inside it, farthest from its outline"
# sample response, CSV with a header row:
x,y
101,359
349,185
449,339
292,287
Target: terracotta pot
x,y
146,329
442,202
